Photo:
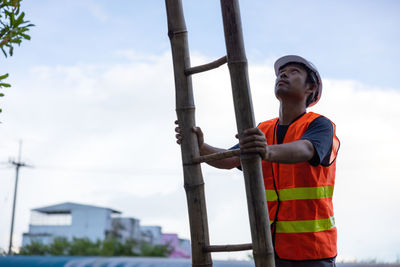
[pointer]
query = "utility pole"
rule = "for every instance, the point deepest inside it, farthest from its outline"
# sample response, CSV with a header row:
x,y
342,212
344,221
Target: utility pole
x,y
18,164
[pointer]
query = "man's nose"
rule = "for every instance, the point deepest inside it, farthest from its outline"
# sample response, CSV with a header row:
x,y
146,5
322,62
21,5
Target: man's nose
x,y
282,75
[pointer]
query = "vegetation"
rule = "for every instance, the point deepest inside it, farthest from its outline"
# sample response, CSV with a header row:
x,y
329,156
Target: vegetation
x,y
85,247
13,29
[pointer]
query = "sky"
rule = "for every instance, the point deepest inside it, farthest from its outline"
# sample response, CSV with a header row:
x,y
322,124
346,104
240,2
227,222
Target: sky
x,y
92,100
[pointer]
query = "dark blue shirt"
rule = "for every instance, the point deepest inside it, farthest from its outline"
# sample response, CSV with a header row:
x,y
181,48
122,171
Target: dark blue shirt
x,y
319,133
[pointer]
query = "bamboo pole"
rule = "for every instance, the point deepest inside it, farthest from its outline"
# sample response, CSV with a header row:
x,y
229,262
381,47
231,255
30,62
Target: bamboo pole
x,y
217,156
251,163
225,248
185,110
206,67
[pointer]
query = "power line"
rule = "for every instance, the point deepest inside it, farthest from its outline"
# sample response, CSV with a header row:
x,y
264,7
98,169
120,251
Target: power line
x,y
121,171
115,171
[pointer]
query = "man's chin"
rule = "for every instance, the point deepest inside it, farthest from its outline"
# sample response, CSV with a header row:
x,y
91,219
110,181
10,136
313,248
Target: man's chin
x,y
281,91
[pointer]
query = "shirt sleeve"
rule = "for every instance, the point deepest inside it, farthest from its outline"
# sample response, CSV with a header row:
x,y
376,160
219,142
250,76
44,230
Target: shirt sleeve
x,y
236,147
320,134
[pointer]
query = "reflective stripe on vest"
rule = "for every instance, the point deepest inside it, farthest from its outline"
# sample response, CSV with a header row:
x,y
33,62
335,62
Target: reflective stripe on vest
x,y
300,193
305,226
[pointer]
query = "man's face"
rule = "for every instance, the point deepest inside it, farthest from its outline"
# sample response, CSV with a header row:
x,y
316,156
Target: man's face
x,y
291,83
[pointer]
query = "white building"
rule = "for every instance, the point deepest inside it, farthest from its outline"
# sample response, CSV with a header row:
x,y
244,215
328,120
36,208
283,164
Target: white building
x,y
151,234
69,220
126,228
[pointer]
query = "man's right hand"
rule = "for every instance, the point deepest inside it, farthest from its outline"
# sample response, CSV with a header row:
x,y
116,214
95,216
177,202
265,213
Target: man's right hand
x,y
206,149
196,130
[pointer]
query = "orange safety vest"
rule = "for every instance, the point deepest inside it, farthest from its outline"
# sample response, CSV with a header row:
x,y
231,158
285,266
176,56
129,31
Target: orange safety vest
x,y
299,198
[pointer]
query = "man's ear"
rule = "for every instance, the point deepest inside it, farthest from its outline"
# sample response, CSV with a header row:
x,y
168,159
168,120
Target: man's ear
x,y
311,88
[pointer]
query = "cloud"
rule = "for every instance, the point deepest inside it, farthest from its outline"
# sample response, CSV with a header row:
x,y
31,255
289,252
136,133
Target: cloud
x,y
103,134
97,10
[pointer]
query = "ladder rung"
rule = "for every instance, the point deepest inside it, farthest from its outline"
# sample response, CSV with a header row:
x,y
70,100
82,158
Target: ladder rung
x,y
222,248
206,67
217,156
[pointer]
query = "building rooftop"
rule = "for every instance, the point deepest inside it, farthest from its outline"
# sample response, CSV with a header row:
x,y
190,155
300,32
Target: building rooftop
x,y
66,207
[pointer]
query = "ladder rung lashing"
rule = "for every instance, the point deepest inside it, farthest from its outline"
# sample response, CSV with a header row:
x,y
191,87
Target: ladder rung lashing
x,y
224,248
206,67
217,156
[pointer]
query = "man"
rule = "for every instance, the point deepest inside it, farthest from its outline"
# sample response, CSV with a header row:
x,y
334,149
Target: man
x,y
298,151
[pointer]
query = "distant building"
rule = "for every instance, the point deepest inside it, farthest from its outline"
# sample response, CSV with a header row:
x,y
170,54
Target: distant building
x,y
180,247
151,234
71,220
125,228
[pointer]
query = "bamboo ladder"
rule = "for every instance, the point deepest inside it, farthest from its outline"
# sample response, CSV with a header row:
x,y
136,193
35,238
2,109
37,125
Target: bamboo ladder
x,y
251,163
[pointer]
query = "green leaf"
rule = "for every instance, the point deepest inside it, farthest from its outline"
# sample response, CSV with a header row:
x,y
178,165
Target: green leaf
x,y
5,85
1,94
20,19
3,76
7,13
16,41
4,52
27,37
12,18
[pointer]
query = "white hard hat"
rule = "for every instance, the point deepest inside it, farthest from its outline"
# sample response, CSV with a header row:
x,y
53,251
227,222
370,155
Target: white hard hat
x,y
297,59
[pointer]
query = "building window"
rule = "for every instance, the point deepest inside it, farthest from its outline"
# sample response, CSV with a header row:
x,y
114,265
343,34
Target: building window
x,y
40,218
